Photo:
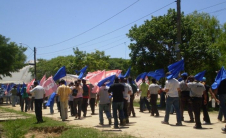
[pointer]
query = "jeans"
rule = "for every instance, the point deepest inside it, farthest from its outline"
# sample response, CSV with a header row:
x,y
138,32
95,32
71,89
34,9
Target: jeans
x,y
105,108
13,98
131,105
72,108
51,108
222,99
117,106
125,108
175,102
143,101
78,102
84,106
162,99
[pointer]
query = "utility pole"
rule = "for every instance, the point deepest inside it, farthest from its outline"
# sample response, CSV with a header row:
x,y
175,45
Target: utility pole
x,y
178,29
35,62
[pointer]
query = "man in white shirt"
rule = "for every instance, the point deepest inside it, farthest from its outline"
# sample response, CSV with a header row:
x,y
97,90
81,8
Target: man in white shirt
x,y
153,91
171,88
39,94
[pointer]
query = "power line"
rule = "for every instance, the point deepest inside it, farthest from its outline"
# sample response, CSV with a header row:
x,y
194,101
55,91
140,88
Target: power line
x,y
212,6
92,27
116,29
218,10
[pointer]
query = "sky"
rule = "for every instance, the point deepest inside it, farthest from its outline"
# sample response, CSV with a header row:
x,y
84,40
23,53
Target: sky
x,y
55,27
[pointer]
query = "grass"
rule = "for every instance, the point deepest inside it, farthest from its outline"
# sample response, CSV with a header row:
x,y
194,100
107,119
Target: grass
x,y
20,127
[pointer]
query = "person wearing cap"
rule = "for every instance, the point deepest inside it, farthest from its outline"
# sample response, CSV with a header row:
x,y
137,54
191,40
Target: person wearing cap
x,y
185,99
153,90
196,93
63,92
206,117
144,94
39,94
172,88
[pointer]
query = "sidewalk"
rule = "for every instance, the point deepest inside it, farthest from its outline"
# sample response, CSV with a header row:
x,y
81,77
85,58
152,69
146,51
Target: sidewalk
x,y
144,125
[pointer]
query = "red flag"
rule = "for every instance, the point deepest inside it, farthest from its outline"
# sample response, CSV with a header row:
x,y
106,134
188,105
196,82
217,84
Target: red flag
x,y
50,86
113,72
43,80
90,74
29,85
96,78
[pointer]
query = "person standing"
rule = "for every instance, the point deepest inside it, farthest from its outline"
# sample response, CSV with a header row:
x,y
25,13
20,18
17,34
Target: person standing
x,y
24,99
14,95
71,98
185,99
206,117
63,92
172,88
78,100
197,90
104,104
144,95
153,90
134,88
117,90
92,99
85,99
39,94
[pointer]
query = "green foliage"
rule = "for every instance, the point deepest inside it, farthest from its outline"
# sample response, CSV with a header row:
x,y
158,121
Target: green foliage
x,y
153,43
12,57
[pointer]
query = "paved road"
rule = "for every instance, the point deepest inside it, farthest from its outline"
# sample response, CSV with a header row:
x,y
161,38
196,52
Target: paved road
x,y
146,126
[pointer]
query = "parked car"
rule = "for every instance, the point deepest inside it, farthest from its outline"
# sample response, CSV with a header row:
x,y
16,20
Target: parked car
x,y
2,96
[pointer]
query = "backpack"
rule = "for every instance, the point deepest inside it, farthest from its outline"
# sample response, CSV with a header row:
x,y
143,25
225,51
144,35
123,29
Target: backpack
x,y
85,90
74,92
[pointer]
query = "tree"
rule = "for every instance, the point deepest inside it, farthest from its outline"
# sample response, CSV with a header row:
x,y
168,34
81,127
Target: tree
x,y
153,43
12,57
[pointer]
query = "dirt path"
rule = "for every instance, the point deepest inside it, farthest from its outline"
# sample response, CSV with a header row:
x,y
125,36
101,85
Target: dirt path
x,y
145,126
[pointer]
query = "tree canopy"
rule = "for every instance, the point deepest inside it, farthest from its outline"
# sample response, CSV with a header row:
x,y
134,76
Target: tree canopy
x,y
12,57
153,43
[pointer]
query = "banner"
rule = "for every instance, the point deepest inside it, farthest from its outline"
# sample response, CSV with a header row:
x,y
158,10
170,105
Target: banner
x,y
29,85
42,80
49,86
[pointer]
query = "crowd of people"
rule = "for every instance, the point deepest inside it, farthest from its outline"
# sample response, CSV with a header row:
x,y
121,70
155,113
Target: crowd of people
x,y
116,101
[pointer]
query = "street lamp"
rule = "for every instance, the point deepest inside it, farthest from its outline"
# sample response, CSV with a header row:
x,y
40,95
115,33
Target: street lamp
x,y
34,57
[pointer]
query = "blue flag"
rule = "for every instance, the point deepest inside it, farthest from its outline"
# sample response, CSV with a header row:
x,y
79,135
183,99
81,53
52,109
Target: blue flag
x,y
4,87
82,72
158,74
51,99
23,88
18,88
175,69
126,74
141,76
200,75
60,73
221,75
10,86
110,79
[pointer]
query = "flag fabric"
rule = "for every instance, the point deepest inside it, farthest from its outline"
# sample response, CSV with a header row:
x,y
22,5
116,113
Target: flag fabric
x,y
82,72
175,69
98,77
29,85
51,99
50,86
200,75
126,74
90,74
141,76
109,79
113,72
42,80
4,87
10,86
60,73
221,75
157,74
22,88
18,88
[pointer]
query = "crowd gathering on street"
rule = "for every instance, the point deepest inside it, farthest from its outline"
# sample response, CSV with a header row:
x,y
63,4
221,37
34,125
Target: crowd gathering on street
x,y
117,100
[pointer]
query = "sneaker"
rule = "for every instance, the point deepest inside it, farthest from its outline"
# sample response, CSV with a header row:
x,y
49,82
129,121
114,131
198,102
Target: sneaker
x,y
178,124
223,129
163,122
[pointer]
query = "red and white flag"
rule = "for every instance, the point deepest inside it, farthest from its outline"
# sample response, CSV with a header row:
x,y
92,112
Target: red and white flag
x,y
95,79
90,74
42,80
50,86
113,72
29,85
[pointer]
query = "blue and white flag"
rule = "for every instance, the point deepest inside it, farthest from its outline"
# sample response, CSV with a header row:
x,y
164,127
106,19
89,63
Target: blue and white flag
x,y
60,73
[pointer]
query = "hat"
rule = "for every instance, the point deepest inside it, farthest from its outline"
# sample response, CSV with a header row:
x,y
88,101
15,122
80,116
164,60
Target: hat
x,y
184,74
204,79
